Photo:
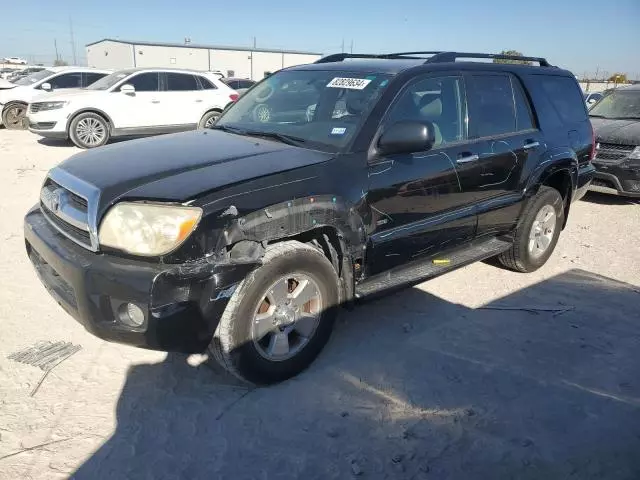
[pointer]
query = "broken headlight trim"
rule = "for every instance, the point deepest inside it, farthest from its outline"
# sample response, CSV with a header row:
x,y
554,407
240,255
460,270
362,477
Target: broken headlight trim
x,y
148,229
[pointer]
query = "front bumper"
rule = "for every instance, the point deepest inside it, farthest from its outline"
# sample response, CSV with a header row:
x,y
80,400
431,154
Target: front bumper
x,y
50,123
182,304
618,179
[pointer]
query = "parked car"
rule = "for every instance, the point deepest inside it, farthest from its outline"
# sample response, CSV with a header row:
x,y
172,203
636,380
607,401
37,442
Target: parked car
x,y
14,100
240,85
591,98
5,72
143,101
616,120
243,240
15,60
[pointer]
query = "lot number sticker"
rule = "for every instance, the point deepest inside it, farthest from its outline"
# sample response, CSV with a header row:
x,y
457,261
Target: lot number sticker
x,y
351,83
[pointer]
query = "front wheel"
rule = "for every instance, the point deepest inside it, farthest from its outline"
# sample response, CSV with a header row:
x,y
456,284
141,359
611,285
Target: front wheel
x,y
280,317
89,130
13,116
538,234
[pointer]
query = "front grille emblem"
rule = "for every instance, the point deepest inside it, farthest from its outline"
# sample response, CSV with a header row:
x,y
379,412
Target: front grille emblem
x,y
51,199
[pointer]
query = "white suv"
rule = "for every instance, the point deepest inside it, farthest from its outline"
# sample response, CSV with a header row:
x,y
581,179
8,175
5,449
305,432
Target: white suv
x,y
132,102
15,96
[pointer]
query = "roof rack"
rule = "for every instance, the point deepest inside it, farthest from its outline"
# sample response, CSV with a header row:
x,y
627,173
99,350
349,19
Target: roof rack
x,y
436,57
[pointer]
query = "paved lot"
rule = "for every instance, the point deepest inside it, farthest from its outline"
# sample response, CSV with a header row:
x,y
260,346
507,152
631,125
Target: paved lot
x,y
424,384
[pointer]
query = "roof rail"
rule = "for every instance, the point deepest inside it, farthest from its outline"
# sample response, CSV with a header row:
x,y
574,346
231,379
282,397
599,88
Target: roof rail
x,y
406,54
339,57
445,57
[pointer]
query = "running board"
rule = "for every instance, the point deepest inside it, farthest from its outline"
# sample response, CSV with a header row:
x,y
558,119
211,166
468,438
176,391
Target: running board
x,y
424,269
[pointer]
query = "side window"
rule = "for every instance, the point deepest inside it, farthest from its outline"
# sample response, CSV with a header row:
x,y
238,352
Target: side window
x,y
90,78
439,100
564,94
207,84
524,120
245,84
491,107
181,82
145,82
67,80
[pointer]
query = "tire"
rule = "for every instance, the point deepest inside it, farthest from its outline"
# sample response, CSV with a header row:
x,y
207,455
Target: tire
x,y
526,253
237,344
89,130
13,116
209,118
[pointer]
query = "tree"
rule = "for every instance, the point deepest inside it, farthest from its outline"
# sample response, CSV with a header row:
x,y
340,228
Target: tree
x,y
618,78
514,53
59,63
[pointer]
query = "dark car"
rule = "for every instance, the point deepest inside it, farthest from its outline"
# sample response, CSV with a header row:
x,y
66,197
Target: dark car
x,y
240,85
616,121
243,240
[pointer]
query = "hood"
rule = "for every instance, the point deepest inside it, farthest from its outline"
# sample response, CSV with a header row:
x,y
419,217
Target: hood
x,y
6,84
64,96
182,166
624,132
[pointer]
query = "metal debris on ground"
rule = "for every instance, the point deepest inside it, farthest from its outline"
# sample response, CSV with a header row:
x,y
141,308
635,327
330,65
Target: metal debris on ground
x,y
535,310
45,355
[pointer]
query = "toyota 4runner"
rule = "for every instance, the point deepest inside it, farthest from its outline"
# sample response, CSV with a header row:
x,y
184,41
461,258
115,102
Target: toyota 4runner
x,y
323,184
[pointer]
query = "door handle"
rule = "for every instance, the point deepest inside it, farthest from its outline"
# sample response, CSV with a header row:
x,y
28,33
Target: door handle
x,y
155,101
199,101
531,144
471,157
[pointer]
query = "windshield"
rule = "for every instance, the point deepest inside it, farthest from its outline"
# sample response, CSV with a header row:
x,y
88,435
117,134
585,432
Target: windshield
x,y
34,77
109,81
322,109
620,104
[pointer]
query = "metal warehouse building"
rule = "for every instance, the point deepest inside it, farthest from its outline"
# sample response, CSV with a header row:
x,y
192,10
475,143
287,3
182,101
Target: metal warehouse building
x,y
253,63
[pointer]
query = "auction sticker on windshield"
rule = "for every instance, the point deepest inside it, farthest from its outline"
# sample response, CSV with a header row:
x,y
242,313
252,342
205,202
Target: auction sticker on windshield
x,y
351,83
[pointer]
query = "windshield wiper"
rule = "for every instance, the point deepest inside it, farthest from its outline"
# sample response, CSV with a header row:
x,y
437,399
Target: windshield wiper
x,y
281,137
226,128
597,116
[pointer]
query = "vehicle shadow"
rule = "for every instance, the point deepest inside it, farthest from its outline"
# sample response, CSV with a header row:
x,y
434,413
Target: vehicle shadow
x,y
606,199
54,142
543,383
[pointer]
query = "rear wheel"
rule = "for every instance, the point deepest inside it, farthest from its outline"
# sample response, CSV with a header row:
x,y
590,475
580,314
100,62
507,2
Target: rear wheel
x,y
13,116
209,118
89,130
538,234
280,317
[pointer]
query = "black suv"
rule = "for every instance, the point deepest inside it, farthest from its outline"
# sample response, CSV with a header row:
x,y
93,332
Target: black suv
x,y
616,121
244,239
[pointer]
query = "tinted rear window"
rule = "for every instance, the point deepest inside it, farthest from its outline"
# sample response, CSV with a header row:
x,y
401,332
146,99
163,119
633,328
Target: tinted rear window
x,y
566,98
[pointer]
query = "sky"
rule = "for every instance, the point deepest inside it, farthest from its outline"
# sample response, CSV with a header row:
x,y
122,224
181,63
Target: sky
x,y
585,36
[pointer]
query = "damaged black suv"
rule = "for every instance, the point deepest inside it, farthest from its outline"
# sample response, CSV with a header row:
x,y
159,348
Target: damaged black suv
x,y
322,184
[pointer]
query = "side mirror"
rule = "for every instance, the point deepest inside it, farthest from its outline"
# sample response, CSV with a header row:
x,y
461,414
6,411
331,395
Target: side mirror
x,y
128,89
407,137
46,86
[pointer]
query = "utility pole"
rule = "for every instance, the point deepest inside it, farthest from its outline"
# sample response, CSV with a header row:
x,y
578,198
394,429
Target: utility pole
x,y
352,45
55,45
597,70
342,48
254,43
73,41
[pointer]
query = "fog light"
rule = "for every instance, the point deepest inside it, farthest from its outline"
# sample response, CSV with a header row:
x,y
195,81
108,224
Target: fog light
x,y
131,315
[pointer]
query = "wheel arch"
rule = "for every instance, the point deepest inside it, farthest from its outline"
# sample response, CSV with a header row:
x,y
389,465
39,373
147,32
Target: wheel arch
x,y
97,111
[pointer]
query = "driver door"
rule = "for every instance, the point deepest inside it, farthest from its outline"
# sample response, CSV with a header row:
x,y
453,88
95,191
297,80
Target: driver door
x,y
416,199
141,109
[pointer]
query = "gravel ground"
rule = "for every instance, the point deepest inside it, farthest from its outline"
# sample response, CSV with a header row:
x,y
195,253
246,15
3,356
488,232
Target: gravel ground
x,y
426,383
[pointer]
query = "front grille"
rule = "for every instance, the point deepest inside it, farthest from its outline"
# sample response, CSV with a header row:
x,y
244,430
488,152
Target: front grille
x,y
67,211
612,152
71,231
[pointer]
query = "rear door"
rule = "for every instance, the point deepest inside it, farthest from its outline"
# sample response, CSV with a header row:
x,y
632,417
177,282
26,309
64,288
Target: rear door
x,y
140,109
182,100
66,80
505,143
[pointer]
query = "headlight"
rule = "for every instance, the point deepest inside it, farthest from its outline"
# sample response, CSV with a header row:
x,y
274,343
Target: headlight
x,y
148,229
635,154
50,105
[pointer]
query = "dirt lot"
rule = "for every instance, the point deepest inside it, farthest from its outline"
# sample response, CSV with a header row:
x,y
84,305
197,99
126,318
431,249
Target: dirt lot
x,y
425,384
